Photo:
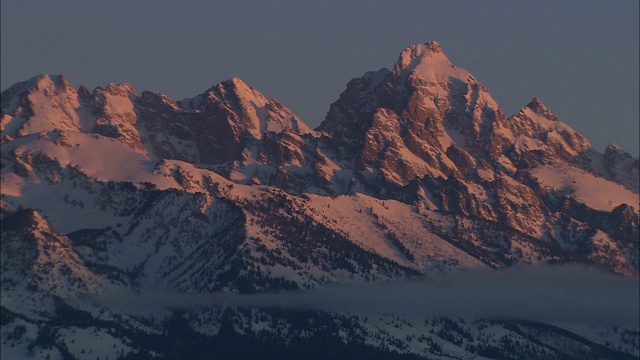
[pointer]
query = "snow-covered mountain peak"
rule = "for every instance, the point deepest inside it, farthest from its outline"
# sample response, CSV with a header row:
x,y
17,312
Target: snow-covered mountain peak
x,y
539,108
540,118
245,92
433,46
233,93
421,52
240,89
42,103
253,113
121,89
535,127
45,83
427,62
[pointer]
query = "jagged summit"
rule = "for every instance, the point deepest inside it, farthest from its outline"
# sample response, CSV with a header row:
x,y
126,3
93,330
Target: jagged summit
x,y
433,46
428,62
415,171
231,91
535,104
45,80
253,112
419,52
120,89
42,103
391,134
539,108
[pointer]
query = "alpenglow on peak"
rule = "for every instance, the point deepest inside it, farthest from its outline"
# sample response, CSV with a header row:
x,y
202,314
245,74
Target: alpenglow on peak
x,y
426,61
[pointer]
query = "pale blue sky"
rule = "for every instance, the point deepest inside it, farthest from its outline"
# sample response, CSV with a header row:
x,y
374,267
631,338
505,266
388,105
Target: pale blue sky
x,y
579,56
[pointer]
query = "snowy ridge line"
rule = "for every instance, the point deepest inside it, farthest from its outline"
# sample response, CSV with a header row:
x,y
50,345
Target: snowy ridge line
x,y
226,203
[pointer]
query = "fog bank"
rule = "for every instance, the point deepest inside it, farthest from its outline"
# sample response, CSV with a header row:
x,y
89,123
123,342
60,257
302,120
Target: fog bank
x,y
539,293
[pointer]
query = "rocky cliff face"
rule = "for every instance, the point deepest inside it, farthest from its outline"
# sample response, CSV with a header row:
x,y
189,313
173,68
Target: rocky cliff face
x,y
430,133
427,134
622,167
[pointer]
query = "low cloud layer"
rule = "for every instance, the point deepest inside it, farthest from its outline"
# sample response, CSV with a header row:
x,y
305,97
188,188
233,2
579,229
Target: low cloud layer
x,y
547,294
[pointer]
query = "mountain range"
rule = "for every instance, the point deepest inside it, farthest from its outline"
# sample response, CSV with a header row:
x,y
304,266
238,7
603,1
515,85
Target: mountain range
x,y
416,171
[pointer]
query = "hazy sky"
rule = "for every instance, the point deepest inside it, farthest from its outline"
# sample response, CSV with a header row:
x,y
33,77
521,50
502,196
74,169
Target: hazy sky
x,y
580,57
